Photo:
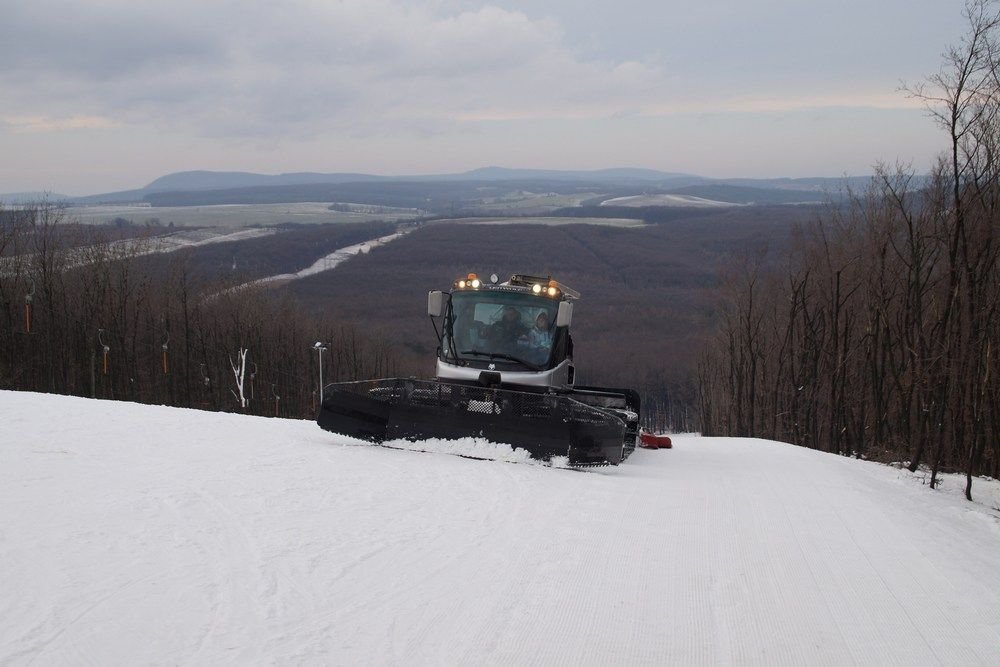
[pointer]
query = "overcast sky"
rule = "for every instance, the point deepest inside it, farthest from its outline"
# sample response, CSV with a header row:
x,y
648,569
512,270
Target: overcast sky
x,y
101,95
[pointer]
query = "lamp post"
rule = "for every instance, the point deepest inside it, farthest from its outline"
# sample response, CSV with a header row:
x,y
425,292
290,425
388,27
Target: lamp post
x,y
320,348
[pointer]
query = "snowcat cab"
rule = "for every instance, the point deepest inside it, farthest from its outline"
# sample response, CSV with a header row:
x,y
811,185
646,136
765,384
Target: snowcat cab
x,y
504,373
516,332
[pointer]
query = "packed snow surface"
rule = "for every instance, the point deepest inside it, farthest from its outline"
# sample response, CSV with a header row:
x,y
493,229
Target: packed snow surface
x,y
134,534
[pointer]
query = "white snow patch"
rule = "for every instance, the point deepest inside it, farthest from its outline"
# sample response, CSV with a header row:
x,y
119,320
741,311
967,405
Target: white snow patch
x,y
559,462
668,200
330,261
985,490
202,237
155,245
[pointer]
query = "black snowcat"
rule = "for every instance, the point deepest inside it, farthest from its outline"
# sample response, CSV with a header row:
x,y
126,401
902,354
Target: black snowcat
x,y
504,374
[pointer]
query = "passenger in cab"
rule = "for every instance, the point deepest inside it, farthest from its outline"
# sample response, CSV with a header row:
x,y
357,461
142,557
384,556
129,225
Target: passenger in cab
x,y
541,334
540,337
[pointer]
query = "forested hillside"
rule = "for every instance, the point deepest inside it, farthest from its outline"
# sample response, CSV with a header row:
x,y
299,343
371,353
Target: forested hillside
x,y
878,334
647,293
84,315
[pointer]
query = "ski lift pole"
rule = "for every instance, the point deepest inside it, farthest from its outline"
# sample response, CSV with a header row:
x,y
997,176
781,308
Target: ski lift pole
x,y
166,364
100,338
320,348
276,399
28,298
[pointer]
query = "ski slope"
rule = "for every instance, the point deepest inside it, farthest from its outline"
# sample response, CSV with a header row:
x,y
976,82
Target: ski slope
x,y
134,534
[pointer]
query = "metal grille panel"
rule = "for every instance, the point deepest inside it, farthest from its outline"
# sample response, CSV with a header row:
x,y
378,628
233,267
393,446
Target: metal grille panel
x,y
488,401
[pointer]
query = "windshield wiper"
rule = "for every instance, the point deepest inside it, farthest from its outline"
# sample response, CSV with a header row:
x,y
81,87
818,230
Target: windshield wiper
x,y
500,355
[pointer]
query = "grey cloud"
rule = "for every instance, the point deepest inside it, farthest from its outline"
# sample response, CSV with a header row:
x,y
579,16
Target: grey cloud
x,y
225,68
101,41
272,69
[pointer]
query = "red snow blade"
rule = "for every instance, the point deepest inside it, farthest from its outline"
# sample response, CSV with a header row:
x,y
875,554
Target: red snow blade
x,y
653,441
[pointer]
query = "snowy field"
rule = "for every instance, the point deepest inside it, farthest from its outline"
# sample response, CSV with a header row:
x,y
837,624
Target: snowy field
x,y
548,221
134,534
169,242
232,216
668,200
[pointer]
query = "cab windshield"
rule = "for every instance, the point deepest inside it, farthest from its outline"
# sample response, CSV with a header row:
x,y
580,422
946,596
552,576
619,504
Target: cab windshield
x,y
500,326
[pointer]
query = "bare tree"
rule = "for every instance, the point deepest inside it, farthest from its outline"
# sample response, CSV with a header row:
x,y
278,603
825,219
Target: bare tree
x,y
886,341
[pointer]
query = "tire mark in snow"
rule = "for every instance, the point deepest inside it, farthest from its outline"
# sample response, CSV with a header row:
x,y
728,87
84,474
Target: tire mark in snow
x,y
911,580
504,501
63,631
415,544
240,577
820,605
755,575
524,599
886,585
113,502
864,607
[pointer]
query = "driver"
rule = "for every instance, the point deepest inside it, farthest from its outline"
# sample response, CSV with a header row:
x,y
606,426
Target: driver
x,y
509,328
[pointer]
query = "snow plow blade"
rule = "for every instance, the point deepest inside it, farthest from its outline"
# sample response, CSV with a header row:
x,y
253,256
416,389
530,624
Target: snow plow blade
x,y
653,441
545,425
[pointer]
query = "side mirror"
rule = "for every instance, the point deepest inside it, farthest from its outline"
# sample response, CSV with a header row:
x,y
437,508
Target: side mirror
x,y
436,302
565,315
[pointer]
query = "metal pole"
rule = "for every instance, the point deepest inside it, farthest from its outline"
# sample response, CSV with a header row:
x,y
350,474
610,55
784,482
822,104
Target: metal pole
x,y
319,348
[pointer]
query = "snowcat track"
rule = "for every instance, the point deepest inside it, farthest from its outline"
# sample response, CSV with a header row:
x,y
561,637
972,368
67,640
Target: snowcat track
x,y
545,425
624,403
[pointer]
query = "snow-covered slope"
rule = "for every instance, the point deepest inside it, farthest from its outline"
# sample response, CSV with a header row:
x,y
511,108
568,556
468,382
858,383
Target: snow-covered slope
x,y
133,534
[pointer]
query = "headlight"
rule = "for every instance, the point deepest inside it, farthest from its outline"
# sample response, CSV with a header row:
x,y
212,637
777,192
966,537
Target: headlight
x,y
553,291
475,283
536,288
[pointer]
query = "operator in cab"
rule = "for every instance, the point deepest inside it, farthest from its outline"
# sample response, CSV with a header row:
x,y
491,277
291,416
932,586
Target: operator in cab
x,y
509,329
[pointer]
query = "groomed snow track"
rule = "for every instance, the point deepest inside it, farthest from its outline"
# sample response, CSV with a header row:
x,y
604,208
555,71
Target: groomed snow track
x,y
134,534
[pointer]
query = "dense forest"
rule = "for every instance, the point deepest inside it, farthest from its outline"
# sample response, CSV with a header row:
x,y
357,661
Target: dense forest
x,y
83,313
876,332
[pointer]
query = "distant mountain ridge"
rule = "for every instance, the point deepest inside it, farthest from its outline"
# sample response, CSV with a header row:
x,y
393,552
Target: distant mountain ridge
x,y
225,180
232,182
183,181
624,174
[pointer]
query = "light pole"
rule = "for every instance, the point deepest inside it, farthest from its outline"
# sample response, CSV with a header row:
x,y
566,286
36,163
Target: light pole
x,y
319,347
